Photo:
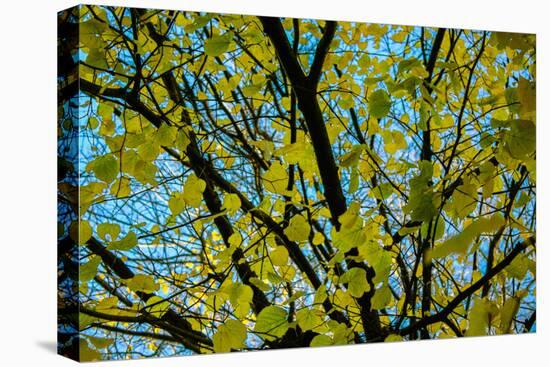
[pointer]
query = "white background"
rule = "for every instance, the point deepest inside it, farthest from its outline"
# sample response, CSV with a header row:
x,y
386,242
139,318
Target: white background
x,y
28,181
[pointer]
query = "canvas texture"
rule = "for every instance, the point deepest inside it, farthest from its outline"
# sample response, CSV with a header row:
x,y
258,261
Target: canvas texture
x,y
230,183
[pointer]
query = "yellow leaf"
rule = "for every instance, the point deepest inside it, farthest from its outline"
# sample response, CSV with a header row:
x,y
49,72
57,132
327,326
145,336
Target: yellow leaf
x,y
108,229
231,203
229,336
235,239
240,296
393,338
157,306
271,323
86,353
462,241
105,167
479,317
107,305
88,270
80,232
308,319
351,158
100,343
176,203
217,45
166,135
356,278
349,218
125,244
381,298
143,283
279,256
298,228
275,179
318,238
507,313
321,341
192,191
527,98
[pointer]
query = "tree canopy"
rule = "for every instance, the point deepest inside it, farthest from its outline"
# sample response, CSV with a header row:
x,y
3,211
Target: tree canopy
x,y
237,182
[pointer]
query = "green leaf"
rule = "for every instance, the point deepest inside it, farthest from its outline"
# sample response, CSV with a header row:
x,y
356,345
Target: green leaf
x,y
346,101
353,180
105,168
80,231
464,199
381,298
157,306
379,103
407,64
240,296
351,158
519,267
108,229
125,244
321,295
421,205
200,21
143,283
229,336
148,151
308,319
520,141
300,153
108,305
342,334
100,343
462,241
394,141
251,89
260,284
182,140
356,278
321,341
271,323
88,270
351,217
378,258
351,233
217,45
527,98
382,191
105,110
85,231
275,179
403,231
96,58
166,135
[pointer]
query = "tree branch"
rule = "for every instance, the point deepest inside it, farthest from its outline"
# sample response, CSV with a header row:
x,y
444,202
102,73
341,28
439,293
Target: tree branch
x,y
447,310
321,52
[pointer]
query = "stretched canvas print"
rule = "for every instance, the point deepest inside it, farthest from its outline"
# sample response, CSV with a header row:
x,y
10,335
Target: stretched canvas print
x,y
235,182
